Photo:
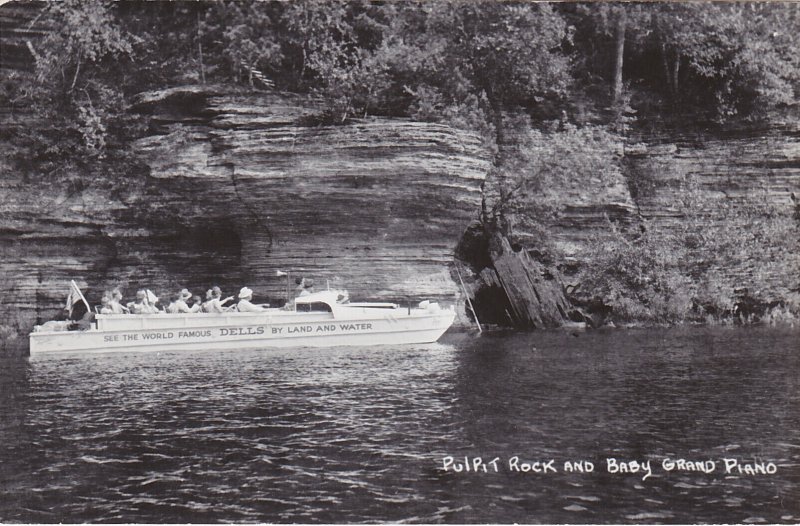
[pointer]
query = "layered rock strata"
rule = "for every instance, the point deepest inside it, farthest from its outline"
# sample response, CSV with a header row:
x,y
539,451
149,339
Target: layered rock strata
x,y
752,171
240,186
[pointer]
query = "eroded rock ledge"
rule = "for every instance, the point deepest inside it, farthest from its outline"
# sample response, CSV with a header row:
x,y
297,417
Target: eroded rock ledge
x,y
240,185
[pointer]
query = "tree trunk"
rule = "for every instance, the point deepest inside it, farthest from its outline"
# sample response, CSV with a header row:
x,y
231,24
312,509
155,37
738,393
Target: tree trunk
x,y
619,56
676,68
496,105
75,77
665,63
500,139
200,51
499,131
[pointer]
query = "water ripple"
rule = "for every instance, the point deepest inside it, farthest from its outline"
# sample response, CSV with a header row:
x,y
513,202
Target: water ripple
x,y
357,435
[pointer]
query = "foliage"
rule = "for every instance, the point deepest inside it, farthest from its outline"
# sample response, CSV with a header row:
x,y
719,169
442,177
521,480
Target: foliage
x,y
507,51
726,59
673,273
84,34
639,278
746,51
546,168
73,91
246,35
480,59
466,63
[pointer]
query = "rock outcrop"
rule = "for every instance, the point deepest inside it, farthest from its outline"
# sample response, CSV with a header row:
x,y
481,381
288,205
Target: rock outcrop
x,y
741,171
238,186
535,293
508,284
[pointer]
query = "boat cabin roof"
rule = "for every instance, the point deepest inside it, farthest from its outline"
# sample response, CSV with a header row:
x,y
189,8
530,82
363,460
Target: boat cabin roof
x,y
331,297
339,298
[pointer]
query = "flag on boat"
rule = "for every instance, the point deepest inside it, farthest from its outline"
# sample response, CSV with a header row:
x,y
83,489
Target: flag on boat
x,y
72,298
280,273
151,298
75,295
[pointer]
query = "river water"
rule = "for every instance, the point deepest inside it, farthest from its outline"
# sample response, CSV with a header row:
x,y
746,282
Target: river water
x,y
361,435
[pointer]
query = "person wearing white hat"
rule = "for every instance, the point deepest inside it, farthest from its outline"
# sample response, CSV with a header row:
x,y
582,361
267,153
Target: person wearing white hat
x,y
179,304
245,305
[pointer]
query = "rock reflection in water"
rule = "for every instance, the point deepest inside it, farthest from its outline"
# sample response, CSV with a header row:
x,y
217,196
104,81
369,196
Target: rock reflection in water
x,y
340,435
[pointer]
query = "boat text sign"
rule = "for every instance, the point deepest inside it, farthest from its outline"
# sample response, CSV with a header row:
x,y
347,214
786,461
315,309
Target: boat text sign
x,y
225,332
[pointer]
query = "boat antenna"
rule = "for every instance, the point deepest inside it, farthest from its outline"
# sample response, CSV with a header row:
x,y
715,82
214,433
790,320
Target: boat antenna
x,y
480,330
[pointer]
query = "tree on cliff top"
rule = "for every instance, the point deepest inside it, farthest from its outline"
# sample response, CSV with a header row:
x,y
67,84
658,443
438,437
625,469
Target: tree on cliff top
x,y
506,54
727,59
79,67
465,63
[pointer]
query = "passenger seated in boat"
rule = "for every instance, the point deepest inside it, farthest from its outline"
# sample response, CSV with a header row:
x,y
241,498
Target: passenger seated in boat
x,y
84,323
301,286
142,305
172,308
298,291
115,304
186,296
179,304
245,305
308,287
106,304
206,304
214,303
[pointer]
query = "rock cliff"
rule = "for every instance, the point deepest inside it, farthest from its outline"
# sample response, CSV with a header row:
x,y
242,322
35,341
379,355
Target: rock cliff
x,y
753,168
240,185
234,185
737,177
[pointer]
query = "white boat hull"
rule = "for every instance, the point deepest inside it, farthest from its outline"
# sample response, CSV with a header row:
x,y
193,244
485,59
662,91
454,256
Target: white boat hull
x,y
272,329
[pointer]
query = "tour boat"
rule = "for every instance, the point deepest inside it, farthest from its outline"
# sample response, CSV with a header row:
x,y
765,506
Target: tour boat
x,y
321,319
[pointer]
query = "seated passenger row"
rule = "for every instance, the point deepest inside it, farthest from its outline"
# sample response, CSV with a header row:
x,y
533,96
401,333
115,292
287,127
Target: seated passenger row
x,y
148,303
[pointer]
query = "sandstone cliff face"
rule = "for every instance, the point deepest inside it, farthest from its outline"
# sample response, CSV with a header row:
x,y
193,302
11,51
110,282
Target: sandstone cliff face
x,y
757,169
735,165
239,186
738,176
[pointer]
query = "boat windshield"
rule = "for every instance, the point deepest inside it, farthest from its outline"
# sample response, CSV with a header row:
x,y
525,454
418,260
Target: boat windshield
x,y
317,306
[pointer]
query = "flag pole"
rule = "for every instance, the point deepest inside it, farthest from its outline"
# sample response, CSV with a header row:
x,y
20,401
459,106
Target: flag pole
x,y
480,330
288,275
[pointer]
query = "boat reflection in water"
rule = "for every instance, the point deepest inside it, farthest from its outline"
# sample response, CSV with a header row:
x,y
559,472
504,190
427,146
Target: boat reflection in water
x,y
325,318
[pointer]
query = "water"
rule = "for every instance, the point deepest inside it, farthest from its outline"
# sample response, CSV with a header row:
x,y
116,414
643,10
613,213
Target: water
x,y
358,435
